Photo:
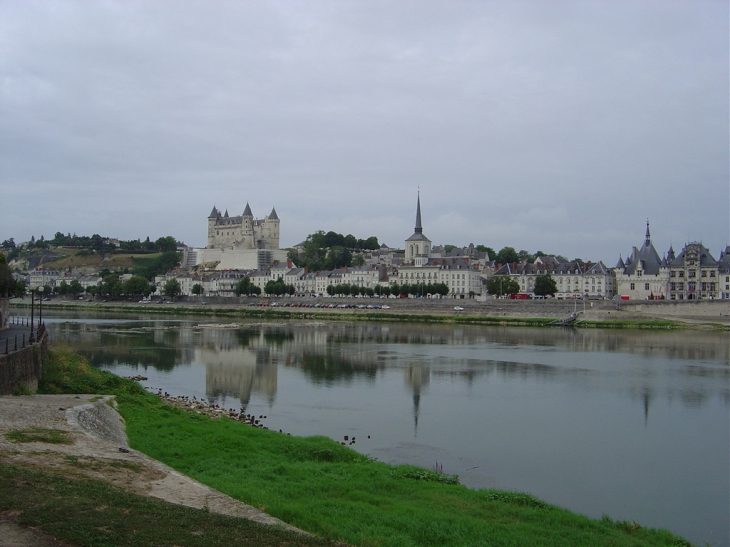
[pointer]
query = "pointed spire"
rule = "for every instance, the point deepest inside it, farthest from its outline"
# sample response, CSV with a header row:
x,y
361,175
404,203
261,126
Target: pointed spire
x,y
273,215
213,213
647,240
419,228
247,211
226,215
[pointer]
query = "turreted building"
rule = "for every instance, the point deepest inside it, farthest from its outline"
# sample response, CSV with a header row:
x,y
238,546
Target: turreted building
x,y
243,232
644,275
239,242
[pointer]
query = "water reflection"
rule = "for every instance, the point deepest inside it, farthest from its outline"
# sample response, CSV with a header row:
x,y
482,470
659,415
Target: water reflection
x,y
632,424
241,360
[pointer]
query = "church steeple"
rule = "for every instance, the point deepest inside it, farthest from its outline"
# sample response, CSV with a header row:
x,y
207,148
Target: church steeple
x,y
647,240
419,228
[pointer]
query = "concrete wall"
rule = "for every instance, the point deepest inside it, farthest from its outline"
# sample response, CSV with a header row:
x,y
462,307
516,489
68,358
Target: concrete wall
x,y
23,367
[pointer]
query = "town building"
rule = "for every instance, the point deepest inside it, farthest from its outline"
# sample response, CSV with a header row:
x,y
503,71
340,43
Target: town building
x,y
572,279
643,276
694,274
724,273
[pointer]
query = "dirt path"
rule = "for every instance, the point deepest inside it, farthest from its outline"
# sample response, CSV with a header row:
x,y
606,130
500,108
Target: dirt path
x,y
98,450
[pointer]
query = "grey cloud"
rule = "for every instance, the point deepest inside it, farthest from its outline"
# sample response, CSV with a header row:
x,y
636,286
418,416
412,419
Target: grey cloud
x,y
553,126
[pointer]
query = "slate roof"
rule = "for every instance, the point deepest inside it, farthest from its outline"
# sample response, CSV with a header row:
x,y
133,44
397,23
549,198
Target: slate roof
x,y
724,262
273,215
247,211
646,258
706,259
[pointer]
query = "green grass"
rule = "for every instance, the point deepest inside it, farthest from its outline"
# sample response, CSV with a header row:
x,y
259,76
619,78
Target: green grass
x,y
69,372
92,513
330,490
38,435
327,489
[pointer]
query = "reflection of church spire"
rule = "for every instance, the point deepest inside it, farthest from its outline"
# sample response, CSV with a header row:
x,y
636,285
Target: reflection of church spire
x,y
646,395
416,403
417,377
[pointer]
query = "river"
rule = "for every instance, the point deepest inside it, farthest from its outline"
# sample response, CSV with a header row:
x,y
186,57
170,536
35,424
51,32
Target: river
x,y
633,424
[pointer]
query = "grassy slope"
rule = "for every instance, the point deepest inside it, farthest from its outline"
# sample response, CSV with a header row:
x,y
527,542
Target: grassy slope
x,y
318,485
71,259
93,513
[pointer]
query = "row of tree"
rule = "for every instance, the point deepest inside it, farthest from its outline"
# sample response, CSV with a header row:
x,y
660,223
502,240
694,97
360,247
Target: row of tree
x,y
329,251
502,285
98,243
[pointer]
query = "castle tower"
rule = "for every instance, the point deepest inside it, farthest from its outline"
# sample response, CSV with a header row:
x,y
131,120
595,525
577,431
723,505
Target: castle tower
x,y
418,246
212,219
272,230
247,235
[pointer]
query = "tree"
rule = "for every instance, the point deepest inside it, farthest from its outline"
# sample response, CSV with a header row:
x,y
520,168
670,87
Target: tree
x,y
507,256
524,255
242,287
484,249
545,285
137,286
500,285
332,239
75,288
9,287
357,260
351,242
448,248
371,244
172,288
338,257
198,289
166,244
111,285
330,290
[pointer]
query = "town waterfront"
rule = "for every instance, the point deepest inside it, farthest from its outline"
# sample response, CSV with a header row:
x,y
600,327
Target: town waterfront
x,y
631,424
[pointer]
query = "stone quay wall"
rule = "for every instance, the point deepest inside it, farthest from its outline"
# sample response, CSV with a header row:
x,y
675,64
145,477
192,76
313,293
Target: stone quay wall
x,y
23,367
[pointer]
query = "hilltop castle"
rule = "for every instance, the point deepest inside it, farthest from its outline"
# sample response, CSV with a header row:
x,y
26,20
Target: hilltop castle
x,y
243,232
239,242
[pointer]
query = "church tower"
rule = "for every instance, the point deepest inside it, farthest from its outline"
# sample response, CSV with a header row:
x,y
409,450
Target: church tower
x,y
418,246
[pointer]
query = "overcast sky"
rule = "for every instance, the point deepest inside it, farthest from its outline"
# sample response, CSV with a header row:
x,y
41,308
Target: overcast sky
x,y
558,126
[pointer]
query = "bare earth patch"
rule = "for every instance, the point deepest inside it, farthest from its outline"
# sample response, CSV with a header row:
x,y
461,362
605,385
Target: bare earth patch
x,y
95,453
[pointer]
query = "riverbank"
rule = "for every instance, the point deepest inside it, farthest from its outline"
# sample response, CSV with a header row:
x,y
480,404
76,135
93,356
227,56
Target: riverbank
x,y
705,315
323,487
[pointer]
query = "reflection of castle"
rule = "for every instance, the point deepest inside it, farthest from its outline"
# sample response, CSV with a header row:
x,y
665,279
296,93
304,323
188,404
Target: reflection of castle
x,y
238,373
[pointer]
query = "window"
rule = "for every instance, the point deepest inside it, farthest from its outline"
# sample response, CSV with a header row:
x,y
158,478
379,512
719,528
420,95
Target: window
x,y
681,274
633,286
646,286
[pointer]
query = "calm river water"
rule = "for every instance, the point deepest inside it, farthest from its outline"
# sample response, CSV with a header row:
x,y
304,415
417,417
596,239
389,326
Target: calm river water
x,y
631,424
